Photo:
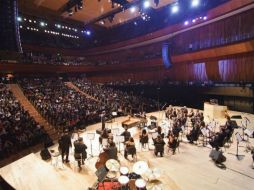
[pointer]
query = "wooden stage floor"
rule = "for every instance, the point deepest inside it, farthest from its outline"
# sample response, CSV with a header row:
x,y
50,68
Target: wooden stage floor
x,y
189,169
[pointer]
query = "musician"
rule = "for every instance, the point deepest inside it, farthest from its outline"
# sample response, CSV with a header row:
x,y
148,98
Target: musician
x,y
218,140
172,142
129,148
194,133
64,145
159,146
126,134
143,138
104,135
111,151
80,151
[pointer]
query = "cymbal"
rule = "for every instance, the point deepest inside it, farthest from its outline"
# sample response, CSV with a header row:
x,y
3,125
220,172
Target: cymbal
x,y
154,185
140,167
113,165
152,174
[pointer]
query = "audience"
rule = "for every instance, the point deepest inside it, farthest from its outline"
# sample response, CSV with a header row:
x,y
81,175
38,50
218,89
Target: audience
x,y
18,130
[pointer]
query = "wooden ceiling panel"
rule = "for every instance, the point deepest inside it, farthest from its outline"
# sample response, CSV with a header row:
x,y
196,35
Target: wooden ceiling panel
x,y
91,9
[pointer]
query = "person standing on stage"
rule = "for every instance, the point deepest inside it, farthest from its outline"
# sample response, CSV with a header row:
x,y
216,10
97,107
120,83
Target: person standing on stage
x,y
80,151
64,145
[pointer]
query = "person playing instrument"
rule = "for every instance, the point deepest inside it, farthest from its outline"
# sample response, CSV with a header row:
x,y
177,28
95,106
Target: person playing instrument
x,y
143,138
159,146
80,151
129,148
218,139
111,151
194,133
126,134
172,142
104,135
64,145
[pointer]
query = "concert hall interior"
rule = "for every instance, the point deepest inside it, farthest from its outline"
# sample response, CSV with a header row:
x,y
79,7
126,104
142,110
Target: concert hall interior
x,y
126,94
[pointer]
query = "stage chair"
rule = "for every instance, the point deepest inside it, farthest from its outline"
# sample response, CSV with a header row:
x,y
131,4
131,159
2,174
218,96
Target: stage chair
x,y
55,156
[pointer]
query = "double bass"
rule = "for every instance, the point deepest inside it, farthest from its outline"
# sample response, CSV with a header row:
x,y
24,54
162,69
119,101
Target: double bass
x,y
103,158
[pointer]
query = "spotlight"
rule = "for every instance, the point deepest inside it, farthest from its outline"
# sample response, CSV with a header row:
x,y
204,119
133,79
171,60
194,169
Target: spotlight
x,y
88,32
19,19
194,20
205,18
58,26
135,23
195,3
133,9
186,23
42,24
175,8
146,4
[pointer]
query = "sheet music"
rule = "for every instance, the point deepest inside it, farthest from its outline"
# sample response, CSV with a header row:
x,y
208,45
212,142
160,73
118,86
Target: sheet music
x,y
119,139
90,136
238,137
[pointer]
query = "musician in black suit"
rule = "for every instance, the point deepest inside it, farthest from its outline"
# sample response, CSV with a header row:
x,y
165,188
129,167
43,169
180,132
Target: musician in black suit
x,y
218,139
80,151
111,151
159,146
126,134
64,145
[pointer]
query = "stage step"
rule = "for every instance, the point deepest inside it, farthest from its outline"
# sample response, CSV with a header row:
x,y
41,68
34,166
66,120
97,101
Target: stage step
x,y
19,95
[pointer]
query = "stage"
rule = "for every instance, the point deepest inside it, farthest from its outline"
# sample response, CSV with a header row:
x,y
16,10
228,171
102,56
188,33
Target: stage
x,y
189,169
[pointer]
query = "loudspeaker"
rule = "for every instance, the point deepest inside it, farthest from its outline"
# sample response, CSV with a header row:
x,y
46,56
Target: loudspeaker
x,y
217,156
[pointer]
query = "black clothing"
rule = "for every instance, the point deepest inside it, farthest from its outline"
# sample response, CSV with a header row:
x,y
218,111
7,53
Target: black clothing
x,y
126,135
64,145
159,147
80,152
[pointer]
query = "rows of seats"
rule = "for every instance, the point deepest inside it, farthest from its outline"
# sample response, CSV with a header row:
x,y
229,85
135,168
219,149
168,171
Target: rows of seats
x,y
60,105
18,130
116,99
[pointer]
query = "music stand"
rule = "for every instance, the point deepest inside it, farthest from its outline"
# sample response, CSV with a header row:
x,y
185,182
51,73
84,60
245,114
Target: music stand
x,y
115,131
205,133
119,139
238,139
91,137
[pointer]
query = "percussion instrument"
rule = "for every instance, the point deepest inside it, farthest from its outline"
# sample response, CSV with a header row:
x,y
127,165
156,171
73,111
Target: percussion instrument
x,y
111,175
140,167
113,165
124,170
123,180
152,174
154,185
140,184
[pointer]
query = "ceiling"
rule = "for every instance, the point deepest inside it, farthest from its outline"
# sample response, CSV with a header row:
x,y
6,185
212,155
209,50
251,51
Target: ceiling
x,y
92,10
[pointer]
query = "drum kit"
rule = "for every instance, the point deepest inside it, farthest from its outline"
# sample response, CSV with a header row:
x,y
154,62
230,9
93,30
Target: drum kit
x,y
148,181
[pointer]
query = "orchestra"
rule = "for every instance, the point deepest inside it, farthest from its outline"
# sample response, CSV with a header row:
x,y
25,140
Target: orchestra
x,y
180,118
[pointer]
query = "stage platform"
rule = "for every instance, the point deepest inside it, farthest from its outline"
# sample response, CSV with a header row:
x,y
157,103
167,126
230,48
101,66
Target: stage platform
x,y
190,169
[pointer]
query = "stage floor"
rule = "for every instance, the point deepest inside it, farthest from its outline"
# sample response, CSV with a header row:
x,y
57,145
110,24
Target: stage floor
x,y
189,169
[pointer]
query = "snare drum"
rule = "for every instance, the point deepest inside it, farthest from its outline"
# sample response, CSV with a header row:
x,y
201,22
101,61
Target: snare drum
x,y
140,184
123,180
124,170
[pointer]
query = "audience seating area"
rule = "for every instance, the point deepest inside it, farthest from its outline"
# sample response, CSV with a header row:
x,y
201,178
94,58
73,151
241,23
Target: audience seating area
x,y
18,130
